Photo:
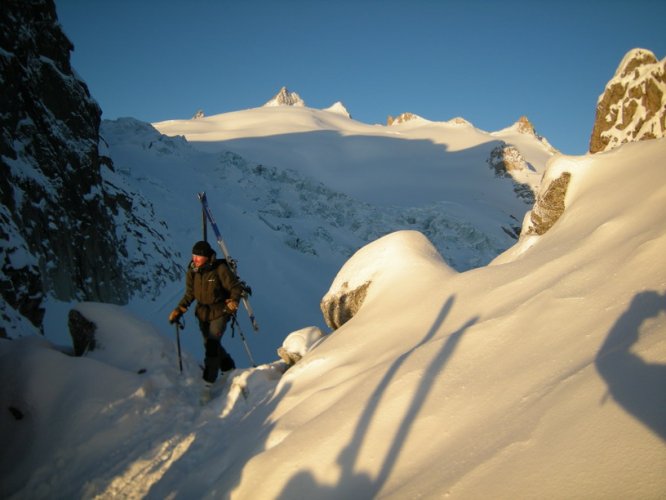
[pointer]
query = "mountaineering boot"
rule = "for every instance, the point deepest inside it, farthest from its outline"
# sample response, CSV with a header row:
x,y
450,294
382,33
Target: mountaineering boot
x,y
226,361
205,393
212,360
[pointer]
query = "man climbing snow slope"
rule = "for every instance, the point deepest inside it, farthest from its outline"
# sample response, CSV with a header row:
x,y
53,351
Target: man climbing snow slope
x,y
217,291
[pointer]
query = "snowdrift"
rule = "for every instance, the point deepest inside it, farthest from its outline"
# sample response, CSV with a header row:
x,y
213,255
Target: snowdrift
x,y
289,228
540,375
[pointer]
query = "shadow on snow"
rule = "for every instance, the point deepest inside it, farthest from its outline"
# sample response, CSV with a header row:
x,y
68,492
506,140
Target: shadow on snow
x,y
362,485
637,385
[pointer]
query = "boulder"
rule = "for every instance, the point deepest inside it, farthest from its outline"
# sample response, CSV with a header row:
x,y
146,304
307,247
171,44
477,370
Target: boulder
x,y
343,305
82,331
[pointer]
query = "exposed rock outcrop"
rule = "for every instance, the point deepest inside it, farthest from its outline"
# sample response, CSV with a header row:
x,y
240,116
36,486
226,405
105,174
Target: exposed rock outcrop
x,y
341,307
524,126
549,205
402,118
505,160
633,105
82,331
285,98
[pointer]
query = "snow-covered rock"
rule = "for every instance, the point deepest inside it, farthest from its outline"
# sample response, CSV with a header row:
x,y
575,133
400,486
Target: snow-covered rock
x,y
71,228
526,127
395,254
285,98
403,118
298,343
460,121
116,330
55,210
508,162
633,104
549,205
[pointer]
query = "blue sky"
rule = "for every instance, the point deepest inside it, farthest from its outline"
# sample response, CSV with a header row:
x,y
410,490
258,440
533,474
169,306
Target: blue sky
x,y
487,61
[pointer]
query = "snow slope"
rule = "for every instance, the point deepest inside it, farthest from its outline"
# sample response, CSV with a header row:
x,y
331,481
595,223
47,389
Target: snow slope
x,y
314,187
541,375
409,164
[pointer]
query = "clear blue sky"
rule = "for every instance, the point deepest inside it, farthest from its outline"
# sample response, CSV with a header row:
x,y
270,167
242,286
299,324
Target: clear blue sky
x,y
487,61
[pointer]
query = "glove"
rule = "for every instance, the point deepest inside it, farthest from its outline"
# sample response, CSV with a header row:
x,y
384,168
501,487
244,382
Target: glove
x,y
232,305
176,314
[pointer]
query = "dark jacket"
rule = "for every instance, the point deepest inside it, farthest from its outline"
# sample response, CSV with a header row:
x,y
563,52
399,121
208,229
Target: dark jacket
x,y
210,285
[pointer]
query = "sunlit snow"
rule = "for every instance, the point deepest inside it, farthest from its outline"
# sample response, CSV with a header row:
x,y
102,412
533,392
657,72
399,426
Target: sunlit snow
x,y
539,375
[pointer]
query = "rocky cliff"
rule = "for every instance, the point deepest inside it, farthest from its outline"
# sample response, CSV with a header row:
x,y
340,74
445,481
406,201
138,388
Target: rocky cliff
x,y
59,216
633,104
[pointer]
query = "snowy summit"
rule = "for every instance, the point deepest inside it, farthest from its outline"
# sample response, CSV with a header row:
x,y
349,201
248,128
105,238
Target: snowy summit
x,y
338,108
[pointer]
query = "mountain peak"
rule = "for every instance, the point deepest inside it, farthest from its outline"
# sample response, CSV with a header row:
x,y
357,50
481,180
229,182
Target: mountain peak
x,y
524,126
459,120
338,108
633,104
634,59
285,98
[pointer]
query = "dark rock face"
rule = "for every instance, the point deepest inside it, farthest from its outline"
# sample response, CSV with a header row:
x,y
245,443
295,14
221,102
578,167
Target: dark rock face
x,y
54,217
57,228
82,331
633,105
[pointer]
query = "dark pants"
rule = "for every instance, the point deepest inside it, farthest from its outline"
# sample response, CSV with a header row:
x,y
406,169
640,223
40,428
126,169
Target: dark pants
x,y
217,358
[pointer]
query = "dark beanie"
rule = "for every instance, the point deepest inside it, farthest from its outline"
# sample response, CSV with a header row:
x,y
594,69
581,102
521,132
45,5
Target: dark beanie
x,y
202,248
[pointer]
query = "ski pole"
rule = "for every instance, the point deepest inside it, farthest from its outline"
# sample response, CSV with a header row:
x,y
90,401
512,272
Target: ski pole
x,y
180,359
204,224
234,322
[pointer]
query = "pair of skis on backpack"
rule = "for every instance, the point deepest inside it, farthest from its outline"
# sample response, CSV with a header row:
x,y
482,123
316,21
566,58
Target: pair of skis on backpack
x,y
247,291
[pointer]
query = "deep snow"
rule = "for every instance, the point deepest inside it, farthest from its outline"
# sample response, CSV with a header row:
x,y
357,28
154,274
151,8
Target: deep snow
x,y
540,375
289,231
